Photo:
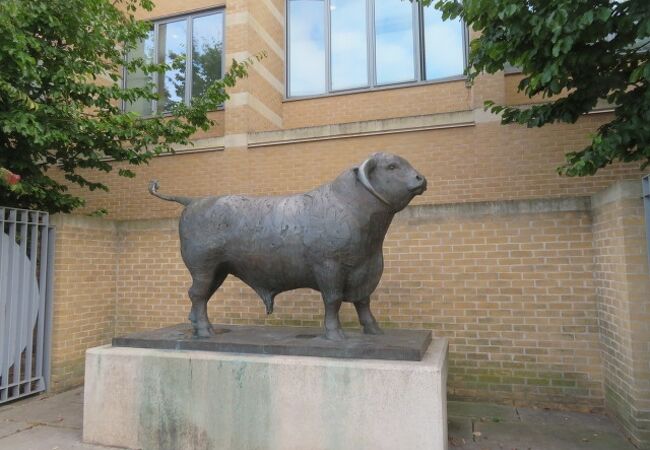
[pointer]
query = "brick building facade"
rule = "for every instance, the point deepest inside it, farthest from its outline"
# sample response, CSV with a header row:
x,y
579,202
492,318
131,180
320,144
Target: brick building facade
x,y
540,282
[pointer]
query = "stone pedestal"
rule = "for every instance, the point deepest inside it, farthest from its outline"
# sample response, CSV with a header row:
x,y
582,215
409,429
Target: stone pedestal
x,y
177,399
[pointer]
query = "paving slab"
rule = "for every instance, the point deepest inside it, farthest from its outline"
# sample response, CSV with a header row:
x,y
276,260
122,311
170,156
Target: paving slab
x,y
481,426
62,410
45,437
459,431
493,435
569,419
9,427
501,413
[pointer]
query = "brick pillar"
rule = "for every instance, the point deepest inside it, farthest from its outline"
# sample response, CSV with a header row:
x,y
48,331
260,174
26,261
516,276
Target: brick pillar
x,y
622,281
237,109
255,103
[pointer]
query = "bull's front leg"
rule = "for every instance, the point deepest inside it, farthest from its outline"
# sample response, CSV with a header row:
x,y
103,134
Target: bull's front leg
x,y
330,277
333,330
366,319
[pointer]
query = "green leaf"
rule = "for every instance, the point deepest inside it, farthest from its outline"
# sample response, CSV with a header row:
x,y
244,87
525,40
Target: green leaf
x,y
126,173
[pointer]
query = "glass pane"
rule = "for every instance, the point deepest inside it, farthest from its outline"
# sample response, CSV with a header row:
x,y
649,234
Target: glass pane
x,y
207,52
394,41
443,45
138,78
172,43
349,44
306,47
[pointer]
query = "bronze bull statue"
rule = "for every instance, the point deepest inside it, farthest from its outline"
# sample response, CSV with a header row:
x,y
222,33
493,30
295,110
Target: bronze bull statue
x,y
329,239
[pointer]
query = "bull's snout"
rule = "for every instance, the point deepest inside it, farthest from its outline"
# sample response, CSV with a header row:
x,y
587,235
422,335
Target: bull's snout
x,y
419,185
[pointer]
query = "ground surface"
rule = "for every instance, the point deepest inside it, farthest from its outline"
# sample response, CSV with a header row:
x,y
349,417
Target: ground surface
x,y
44,423
54,423
480,426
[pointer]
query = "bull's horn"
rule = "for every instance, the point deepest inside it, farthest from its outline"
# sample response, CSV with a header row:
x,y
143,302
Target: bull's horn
x,y
364,172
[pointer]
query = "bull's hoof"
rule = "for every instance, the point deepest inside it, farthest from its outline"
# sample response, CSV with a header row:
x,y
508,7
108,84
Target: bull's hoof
x,y
204,332
372,328
335,335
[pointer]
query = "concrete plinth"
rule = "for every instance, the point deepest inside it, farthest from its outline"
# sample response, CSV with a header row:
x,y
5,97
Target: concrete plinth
x,y
174,399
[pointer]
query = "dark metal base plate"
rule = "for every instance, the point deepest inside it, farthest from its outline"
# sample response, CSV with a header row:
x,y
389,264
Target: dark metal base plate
x,y
404,345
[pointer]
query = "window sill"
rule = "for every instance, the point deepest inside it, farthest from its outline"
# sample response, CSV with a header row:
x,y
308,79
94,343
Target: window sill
x,y
388,87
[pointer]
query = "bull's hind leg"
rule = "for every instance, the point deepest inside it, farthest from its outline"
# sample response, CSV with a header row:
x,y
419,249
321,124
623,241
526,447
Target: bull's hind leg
x,y
204,284
267,297
367,320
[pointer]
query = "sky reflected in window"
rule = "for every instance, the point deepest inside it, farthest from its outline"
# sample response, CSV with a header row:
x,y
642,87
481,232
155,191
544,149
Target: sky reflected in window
x,y
443,45
393,30
394,41
306,47
349,44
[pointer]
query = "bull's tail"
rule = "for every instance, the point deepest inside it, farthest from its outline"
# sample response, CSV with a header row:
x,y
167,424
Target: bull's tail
x,y
153,190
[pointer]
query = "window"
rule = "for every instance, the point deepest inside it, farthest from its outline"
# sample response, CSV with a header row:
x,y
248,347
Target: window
x,y
339,45
193,46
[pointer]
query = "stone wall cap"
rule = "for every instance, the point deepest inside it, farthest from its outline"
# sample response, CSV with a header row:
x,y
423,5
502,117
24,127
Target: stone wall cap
x,y
620,190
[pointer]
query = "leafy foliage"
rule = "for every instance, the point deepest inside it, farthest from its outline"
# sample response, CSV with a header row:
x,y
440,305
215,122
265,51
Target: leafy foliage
x,y
61,97
206,66
573,53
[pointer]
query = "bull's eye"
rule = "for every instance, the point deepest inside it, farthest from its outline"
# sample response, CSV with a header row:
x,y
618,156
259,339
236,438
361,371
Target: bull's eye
x,y
392,166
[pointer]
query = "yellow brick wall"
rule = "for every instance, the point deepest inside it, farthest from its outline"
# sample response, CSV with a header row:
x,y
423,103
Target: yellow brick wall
x,y
85,275
484,162
381,104
513,292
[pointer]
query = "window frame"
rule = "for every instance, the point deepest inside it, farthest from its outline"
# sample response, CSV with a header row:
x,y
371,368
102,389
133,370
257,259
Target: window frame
x,y
188,17
419,62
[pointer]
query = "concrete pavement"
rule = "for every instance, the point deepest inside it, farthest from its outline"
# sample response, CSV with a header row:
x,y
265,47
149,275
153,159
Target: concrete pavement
x,y
44,423
481,426
54,423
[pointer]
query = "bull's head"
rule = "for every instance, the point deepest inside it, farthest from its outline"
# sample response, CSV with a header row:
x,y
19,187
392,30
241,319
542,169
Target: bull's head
x,y
391,179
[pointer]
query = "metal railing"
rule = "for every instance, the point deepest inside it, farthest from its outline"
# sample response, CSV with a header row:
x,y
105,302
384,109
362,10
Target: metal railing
x,y
26,275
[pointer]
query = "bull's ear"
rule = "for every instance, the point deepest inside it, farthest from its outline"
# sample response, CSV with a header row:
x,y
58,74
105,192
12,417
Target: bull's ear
x,y
368,166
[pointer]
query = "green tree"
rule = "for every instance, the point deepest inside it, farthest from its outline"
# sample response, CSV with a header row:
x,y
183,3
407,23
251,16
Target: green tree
x,y
573,53
206,70
206,66
61,96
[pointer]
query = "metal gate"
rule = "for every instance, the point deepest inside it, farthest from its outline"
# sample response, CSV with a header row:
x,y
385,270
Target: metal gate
x,y
26,263
646,201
